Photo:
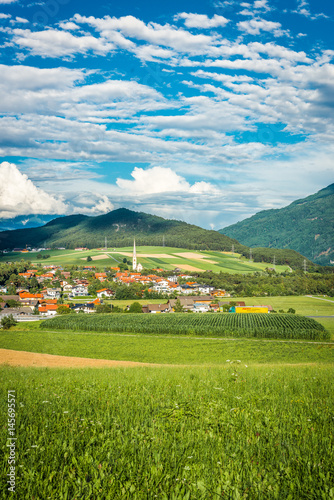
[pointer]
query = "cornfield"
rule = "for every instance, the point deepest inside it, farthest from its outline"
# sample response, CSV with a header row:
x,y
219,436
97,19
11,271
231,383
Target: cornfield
x,y
282,326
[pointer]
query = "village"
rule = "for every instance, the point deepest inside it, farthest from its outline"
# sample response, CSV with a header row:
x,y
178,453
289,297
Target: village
x,y
61,291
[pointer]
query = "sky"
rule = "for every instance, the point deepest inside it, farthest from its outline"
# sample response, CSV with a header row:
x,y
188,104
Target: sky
x,y
202,111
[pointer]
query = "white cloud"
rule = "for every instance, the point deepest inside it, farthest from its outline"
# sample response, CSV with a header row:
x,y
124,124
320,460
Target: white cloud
x,y
154,33
19,20
158,180
255,26
201,20
6,2
303,9
56,43
4,16
19,196
261,4
83,204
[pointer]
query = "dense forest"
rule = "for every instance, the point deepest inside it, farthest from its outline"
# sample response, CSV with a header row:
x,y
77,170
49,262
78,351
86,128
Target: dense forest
x,y
306,225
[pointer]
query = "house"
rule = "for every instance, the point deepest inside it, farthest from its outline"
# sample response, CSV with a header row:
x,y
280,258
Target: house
x,y
86,308
218,293
3,289
79,291
200,303
4,299
201,307
156,308
49,309
105,292
205,288
16,312
53,293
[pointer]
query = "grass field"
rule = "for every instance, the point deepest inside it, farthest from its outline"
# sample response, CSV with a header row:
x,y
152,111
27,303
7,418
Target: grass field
x,y
236,419
256,433
165,257
162,348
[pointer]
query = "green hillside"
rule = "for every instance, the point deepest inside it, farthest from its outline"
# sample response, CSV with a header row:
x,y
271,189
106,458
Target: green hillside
x,y
306,226
121,226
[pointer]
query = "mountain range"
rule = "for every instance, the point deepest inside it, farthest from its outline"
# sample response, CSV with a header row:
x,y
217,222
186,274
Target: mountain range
x,y
121,226
306,225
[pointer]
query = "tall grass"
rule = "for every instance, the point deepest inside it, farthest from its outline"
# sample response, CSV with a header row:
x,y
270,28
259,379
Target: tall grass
x,y
234,433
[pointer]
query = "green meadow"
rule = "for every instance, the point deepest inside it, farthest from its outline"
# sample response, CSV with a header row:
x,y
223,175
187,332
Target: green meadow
x,y
156,257
236,432
214,418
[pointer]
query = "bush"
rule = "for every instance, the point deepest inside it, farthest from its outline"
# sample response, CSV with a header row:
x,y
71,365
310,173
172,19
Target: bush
x,y
7,322
135,308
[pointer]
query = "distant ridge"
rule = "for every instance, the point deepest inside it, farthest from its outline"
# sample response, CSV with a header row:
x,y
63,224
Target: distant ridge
x,y
121,226
306,226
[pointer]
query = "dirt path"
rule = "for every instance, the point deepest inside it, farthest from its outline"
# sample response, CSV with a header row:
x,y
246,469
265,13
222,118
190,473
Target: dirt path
x,y
34,359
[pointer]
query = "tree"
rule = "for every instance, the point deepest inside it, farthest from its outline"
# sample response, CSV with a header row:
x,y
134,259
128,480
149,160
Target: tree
x,y
7,322
291,310
178,306
135,308
63,310
89,259
13,303
103,308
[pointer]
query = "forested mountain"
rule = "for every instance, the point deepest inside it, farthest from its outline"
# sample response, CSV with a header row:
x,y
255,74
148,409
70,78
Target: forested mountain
x,y
307,226
121,226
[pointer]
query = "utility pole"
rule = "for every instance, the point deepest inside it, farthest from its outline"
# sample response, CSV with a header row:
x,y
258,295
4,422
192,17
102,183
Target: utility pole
x,y
274,263
232,248
304,266
105,243
250,255
163,240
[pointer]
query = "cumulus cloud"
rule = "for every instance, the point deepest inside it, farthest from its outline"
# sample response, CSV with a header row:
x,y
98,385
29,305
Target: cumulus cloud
x,y
6,2
255,26
201,20
92,203
57,43
19,196
161,180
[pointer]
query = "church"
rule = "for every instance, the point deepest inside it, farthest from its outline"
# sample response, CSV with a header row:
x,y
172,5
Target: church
x,y
136,266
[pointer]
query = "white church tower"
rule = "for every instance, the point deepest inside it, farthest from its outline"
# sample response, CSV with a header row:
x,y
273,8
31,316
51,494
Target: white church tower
x,y
134,257
136,266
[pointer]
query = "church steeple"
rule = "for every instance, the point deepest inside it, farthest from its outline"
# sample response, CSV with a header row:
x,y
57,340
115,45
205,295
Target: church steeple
x,y
134,257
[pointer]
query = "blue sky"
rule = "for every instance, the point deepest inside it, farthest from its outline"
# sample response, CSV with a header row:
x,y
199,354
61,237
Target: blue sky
x,y
202,111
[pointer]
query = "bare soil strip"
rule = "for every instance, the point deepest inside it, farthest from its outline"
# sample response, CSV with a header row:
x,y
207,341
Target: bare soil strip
x,y
154,255
97,257
186,267
35,359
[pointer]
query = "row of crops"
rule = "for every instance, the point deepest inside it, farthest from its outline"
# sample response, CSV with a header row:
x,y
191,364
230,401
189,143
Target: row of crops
x,y
281,326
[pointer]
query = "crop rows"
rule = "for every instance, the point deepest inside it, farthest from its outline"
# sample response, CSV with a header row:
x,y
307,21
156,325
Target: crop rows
x,y
224,325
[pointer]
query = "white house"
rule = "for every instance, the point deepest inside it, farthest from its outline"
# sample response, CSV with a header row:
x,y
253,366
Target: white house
x,y
79,291
104,292
52,293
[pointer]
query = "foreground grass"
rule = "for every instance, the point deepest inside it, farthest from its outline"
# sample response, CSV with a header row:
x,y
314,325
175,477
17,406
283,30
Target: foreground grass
x,y
234,432
165,349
